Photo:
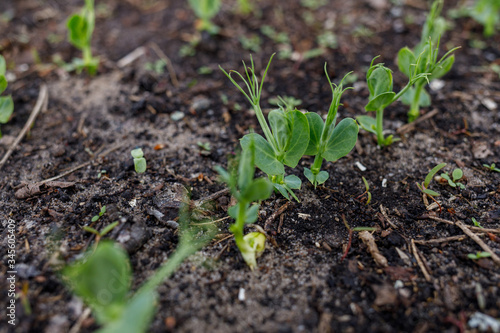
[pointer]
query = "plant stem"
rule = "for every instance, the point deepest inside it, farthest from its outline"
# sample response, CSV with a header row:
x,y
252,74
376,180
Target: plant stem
x,y
380,127
414,108
265,128
318,161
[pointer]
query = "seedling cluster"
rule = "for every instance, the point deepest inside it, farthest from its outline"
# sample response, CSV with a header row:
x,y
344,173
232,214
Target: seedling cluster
x,y
140,164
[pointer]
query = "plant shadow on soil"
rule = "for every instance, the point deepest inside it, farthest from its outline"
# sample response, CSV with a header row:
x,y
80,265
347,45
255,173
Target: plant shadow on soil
x,y
301,283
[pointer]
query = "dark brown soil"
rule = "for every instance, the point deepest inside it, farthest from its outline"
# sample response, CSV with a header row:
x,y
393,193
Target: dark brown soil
x,y
301,284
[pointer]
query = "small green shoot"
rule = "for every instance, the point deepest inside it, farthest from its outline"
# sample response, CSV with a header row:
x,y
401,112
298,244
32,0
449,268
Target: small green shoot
x,y
103,278
492,167
6,103
286,136
205,148
139,160
251,43
379,80
434,26
476,223
101,173
98,216
103,232
246,190
158,66
328,140
245,7
287,101
486,12
478,255
424,187
205,10
80,29
351,232
367,191
456,175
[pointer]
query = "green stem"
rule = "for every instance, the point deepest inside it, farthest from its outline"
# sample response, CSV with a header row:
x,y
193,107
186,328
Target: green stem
x,y
316,167
415,105
87,56
380,127
265,128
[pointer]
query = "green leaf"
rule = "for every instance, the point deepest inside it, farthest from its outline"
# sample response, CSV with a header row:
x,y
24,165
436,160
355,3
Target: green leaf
x,y
322,177
103,280
136,316
251,213
108,228
205,9
246,168
431,174
315,129
442,68
137,153
224,176
265,159
431,192
140,165
3,83
259,189
77,31
368,123
406,61
280,128
282,190
380,101
299,138
6,109
342,139
379,81
293,182
423,100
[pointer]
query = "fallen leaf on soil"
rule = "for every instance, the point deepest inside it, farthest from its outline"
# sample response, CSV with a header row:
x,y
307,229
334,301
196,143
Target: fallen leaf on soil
x,y
404,274
368,239
31,189
386,295
480,149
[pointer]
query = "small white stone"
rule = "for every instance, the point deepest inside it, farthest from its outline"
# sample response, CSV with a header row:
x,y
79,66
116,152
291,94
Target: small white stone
x,y
489,104
241,295
437,85
398,284
133,203
384,182
360,166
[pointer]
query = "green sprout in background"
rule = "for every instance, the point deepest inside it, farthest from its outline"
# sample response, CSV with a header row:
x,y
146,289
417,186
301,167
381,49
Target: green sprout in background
x,y
492,167
328,140
101,213
456,175
486,12
6,103
424,187
80,29
379,80
285,138
246,190
478,255
205,10
139,160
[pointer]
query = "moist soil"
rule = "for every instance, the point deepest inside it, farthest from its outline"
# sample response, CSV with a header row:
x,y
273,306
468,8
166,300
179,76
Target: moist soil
x,y
302,283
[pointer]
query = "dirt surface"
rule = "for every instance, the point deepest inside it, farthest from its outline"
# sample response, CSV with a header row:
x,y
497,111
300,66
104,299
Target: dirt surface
x,y
302,284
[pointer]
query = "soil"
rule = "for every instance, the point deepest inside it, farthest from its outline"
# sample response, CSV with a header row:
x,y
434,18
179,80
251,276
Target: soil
x,y
302,284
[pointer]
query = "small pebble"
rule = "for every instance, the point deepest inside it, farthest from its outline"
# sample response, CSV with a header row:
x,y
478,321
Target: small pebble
x,y
241,295
360,166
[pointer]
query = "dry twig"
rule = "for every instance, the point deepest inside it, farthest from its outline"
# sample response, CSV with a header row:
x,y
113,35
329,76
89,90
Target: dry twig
x,y
274,215
420,262
368,239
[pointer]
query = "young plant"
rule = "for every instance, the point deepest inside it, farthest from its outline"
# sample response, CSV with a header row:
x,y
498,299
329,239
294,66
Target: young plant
x,y
486,12
426,64
456,175
6,103
246,190
492,167
103,279
329,140
367,191
103,232
351,232
424,187
80,29
285,140
434,26
205,10
478,255
139,160
379,80
476,223
101,213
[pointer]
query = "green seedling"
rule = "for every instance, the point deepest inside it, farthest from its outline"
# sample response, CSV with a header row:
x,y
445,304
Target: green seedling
x,y
478,255
139,160
103,232
103,278
476,223
277,37
246,190
205,10
424,187
379,80
101,173
492,167
351,232
426,65
328,140
6,103
245,7
285,138
98,216
251,43
80,29
158,66
367,191
433,28
456,175
486,12
287,101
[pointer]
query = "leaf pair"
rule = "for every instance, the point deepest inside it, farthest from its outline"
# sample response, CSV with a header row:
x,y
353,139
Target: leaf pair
x,y
6,103
205,10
